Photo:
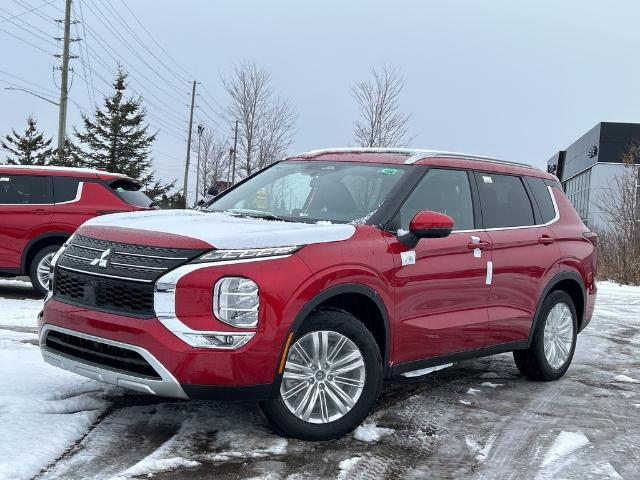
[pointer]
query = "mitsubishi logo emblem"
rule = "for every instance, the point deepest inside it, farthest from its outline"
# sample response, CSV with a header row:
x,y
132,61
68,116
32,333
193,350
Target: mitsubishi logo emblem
x,y
103,260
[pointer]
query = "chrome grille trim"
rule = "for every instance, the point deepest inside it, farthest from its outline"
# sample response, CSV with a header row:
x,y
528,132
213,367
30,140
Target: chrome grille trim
x,y
129,279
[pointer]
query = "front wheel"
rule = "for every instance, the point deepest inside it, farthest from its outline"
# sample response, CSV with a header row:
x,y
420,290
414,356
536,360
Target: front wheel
x,y
40,269
331,379
554,340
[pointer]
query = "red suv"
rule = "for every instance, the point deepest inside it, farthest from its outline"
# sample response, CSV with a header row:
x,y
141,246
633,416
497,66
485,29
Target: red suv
x,y
309,283
40,207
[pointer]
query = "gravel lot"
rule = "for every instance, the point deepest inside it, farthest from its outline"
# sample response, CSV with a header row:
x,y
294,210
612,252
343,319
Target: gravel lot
x,y
478,419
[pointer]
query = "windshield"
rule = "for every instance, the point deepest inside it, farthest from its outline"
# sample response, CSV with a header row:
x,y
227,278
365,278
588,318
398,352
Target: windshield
x,y
312,191
131,193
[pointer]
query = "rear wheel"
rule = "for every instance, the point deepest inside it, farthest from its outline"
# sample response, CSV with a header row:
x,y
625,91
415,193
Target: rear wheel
x,y
40,269
554,340
331,379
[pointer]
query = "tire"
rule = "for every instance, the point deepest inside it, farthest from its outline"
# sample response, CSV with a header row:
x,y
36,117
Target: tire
x,y
42,259
553,322
327,423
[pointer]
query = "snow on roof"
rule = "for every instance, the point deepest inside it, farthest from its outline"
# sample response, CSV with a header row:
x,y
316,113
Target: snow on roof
x,y
61,169
414,154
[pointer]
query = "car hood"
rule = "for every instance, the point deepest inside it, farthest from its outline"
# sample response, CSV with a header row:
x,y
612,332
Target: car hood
x,y
224,231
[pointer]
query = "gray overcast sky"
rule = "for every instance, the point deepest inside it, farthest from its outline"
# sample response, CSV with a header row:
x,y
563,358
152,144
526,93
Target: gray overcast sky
x,y
512,79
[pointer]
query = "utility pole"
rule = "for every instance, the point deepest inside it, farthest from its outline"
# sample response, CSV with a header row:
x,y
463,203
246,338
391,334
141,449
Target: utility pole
x,y
64,91
200,132
186,166
235,155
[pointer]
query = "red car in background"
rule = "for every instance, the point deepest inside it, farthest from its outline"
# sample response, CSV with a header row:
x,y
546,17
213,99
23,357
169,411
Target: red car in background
x,y
41,207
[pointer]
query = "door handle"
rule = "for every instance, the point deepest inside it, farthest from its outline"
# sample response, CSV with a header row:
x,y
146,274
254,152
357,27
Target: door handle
x,y
546,240
41,211
481,245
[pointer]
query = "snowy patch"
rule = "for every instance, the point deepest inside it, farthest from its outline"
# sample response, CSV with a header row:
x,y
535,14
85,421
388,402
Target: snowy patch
x,y
625,379
465,402
565,444
346,466
491,385
480,451
369,432
19,313
227,231
149,467
40,405
473,391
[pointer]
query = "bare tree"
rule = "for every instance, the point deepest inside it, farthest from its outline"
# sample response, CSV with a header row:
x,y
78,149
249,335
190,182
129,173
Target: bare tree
x,y
619,241
214,160
266,123
381,122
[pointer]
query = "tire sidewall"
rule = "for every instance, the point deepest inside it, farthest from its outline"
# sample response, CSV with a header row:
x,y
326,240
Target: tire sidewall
x,y
33,268
547,371
344,323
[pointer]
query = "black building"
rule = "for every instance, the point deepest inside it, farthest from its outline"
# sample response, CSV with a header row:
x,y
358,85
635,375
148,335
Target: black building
x,y
587,167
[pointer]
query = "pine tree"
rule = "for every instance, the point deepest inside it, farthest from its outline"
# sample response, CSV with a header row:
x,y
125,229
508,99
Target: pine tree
x,y
118,140
30,148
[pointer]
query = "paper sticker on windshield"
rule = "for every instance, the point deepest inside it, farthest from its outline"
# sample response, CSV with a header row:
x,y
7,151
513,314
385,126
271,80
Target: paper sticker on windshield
x,y
4,179
487,179
388,171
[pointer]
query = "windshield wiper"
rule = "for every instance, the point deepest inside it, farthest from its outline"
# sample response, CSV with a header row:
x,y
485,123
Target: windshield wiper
x,y
241,212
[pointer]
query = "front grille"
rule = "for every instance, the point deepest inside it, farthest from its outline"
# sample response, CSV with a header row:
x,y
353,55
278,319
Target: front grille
x,y
106,294
101,354
114,277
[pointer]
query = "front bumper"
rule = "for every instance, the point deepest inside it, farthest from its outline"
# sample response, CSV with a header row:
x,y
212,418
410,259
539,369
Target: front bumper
x,y
166,386
248,373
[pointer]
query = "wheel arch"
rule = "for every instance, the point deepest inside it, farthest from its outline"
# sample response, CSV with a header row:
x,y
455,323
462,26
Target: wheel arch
x,y
571,283
38,243
360,301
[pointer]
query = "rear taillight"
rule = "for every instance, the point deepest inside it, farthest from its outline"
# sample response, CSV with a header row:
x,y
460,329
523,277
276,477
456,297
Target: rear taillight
x,y
592,237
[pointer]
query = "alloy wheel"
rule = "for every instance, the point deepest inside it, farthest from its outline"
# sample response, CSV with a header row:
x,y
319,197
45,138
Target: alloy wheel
x,y
44,270
558,335
323,378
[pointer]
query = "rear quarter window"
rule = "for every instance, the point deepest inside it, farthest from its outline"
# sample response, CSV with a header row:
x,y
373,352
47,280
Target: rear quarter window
x,y
65,189
542,197
504,199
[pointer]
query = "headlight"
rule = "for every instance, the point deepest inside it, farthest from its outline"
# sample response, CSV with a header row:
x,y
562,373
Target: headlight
x,y
246,253
236,301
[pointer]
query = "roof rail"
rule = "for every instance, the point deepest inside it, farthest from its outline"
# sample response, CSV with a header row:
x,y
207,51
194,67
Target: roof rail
x,y
414,154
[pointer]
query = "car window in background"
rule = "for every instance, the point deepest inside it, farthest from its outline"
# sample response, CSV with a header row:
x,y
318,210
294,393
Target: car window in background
x,y
25,190
65,189
444,191
505,202
130,192
543,198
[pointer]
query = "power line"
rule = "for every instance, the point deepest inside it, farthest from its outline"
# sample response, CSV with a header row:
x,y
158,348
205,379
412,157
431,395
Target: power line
x,y
86,54
45,89
32,10
189,76
135,36
45,38
114,31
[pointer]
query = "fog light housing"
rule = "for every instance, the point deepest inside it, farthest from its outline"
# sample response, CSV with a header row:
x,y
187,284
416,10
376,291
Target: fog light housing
x,y
217,339
236,302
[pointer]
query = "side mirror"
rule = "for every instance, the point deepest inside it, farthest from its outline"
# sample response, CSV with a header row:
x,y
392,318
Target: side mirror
x,y
200,203
213,191
427,224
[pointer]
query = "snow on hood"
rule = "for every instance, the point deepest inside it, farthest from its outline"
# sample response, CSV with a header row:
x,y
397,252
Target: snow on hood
x,y
226,231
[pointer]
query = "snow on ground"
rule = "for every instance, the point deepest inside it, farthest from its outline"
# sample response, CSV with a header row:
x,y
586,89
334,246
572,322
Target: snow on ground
x,y
478,419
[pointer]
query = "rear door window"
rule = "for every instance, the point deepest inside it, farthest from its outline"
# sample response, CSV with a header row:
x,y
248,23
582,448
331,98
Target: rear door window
x,y
25,190
65,189
504,199
130,192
